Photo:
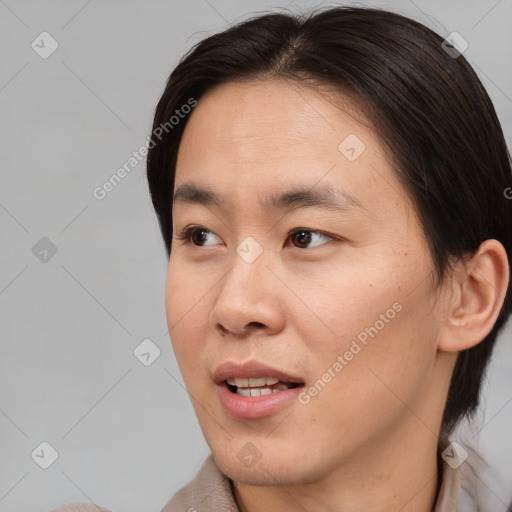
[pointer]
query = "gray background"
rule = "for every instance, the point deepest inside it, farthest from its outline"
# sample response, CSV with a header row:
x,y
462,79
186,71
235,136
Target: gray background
x,y
126,433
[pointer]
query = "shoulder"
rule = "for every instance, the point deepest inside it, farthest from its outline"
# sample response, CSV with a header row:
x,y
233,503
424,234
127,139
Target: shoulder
x,y
80,507
209,490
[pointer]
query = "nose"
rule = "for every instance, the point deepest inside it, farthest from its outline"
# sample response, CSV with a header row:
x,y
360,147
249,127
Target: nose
x,y
248,302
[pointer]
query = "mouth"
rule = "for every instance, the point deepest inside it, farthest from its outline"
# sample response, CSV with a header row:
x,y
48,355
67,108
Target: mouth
x,y
259,386
254,376
252,390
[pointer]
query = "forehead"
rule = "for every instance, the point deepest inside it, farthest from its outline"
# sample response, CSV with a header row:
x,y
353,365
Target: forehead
x,y
254,138
278,114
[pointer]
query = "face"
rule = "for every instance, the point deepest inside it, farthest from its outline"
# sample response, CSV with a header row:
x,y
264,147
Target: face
x,y
334,301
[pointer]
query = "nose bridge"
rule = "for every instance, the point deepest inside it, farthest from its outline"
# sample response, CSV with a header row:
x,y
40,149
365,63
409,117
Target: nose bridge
x,y
248,267
250,250
246,294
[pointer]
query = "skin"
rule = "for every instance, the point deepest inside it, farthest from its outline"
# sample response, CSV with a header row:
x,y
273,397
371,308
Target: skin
x,y
368,440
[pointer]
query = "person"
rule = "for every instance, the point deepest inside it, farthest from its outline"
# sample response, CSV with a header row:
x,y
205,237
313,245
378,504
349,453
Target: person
x,y
331,190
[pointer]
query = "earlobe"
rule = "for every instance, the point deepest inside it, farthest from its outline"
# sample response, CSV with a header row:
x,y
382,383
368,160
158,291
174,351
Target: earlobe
x,y
480,290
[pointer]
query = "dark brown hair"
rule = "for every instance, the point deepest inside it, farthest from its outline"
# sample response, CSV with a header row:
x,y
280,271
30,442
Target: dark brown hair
x,y
429,109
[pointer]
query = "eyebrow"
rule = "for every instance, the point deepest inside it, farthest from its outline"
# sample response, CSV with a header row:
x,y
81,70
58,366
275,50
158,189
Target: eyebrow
x,y
324,197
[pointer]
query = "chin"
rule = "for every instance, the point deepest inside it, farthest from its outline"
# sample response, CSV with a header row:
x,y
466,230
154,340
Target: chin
x,y
263,472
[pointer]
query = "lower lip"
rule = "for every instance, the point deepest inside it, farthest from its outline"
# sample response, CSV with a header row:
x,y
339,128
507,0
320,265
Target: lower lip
x,y
254,407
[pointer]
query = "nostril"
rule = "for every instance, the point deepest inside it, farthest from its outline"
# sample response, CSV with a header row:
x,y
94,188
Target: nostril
x,y
222,329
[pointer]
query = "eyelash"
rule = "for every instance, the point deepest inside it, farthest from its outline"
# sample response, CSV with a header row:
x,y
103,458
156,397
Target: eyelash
x,y
186,233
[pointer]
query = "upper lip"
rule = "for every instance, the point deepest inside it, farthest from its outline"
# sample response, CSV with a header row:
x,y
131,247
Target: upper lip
x,y
248,369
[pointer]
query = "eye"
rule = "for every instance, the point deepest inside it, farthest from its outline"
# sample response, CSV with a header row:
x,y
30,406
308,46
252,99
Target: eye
x,y
304,236
190,232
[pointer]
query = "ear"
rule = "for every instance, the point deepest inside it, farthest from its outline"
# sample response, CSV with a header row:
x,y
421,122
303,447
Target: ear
x,y
479,290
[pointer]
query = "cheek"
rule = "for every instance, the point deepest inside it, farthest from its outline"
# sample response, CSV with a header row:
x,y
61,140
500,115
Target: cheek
x,y
373,390
385,335
184,291
187,311
385,364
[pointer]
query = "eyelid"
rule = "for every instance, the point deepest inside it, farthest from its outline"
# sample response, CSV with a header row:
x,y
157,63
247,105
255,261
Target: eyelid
x,y
298,230
186,233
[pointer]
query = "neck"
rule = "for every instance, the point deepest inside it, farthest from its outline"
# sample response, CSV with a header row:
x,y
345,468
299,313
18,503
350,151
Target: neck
x,y
399,474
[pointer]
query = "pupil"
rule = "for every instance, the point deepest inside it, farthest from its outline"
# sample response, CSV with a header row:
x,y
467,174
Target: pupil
x,y
194,235
301,235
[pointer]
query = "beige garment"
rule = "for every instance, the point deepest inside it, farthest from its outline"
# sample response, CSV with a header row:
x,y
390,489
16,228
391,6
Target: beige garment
x,y
210,491
80,507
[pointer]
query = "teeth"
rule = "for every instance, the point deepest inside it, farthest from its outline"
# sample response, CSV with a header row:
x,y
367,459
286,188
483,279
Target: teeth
x,y
254,392
238,382
252,382
257,386
262,391
257,382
